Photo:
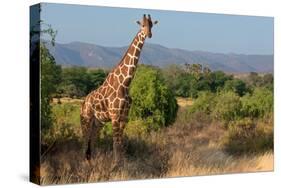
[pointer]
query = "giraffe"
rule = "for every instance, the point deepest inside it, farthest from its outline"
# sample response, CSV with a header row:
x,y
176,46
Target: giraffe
x,y
111,101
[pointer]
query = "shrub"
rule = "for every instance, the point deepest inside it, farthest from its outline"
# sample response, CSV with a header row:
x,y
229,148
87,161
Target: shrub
x,y
152,100
66,123
247,136
136,128
223,106
204,103
227,106
258,104
237,86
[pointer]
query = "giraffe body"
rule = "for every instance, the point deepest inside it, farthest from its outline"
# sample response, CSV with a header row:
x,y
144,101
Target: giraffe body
x,y
111,101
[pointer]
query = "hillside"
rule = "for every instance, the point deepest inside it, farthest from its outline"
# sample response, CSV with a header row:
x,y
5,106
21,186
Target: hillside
x,y
91,55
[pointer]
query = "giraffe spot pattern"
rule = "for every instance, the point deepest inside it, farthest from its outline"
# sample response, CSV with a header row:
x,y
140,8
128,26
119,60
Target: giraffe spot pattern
x,y
111,100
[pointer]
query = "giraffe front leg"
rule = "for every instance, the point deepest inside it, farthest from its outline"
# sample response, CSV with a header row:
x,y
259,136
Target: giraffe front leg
x,y
118,147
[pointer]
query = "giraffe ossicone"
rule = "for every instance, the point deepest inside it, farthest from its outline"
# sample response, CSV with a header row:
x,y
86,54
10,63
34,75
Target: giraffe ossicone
x,y
111,101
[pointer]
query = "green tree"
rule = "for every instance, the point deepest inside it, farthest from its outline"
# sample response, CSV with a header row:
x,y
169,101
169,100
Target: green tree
x,y
152,99
79,81
237,86
96,78
50,77
217,80
74,81
172,74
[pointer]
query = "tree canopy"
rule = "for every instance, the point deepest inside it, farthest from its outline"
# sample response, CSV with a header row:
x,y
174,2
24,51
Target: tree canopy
x,y
152,100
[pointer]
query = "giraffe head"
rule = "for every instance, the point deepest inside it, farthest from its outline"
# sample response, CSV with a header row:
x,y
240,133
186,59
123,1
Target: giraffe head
x,y
146,24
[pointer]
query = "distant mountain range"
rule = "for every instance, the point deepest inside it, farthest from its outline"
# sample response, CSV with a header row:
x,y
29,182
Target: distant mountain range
x,y
91,55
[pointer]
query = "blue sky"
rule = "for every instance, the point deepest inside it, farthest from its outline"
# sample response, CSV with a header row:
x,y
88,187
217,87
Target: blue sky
x,y
191,31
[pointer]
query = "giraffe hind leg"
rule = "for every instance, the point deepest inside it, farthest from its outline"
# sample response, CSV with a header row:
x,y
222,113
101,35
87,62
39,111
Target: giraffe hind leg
x,y
91,136
96,127
86,125
88,151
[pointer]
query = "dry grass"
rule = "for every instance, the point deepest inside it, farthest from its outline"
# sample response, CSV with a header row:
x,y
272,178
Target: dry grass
x,y
183,102
66,100
182,149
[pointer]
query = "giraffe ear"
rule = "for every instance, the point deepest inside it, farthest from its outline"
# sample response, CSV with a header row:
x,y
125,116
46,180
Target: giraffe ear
x,y
138,22
155,22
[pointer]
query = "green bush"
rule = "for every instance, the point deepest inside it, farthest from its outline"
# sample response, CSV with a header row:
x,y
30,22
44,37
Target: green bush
x,y
204,103
258,104
223,106
227,107
136,128
152,100
66,122
248,136
237,86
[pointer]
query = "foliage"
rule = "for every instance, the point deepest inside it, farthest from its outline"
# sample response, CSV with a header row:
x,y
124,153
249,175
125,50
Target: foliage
x,y
256,80
248,119
50,77
217,80
188,81
268,81
79,81
204,103
258,104
237,86
66,122
152,100
136,128
227,106
50,73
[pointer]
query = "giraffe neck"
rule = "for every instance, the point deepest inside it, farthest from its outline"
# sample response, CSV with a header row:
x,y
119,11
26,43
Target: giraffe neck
x,y
128,64
134,50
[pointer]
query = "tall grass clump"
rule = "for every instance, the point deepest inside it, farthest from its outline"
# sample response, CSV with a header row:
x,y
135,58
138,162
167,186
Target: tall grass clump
x,y
248,136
